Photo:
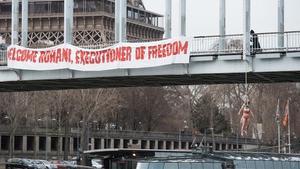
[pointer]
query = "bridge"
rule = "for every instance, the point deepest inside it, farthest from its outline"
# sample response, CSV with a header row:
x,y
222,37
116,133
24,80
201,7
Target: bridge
x,y
208,65
41,142
213,59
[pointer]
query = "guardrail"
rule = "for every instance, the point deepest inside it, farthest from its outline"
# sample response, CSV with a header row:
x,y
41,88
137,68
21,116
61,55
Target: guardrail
x,y
113,133
221,45
3,58
233,44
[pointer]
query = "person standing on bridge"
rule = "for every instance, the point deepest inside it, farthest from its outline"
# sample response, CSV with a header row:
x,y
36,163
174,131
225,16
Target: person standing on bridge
x,y
245,119
254,43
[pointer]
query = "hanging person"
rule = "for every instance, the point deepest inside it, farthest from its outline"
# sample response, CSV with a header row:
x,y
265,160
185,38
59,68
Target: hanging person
x,y
245,119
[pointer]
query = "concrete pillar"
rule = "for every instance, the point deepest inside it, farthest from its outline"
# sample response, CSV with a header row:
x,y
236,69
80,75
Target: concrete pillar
x,y
120,20
168,19
71,145
60,144
280,23
48,146
121,143
102,143
24,40
68,21
246,40
92,143
37,143
182,22
48,143
24,144
0,142
172,145
222,25
148,144
112,143
187,145
164,145
14,22
156,144
140,143
179,145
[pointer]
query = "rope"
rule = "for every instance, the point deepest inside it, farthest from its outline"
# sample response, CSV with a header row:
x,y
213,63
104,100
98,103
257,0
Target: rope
x,y
246,83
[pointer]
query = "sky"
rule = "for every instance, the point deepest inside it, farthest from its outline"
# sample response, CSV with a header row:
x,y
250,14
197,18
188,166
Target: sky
x,y
203,15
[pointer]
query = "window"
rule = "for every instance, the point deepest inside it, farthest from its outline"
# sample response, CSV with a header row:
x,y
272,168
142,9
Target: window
x,y
197,166
142,166
156,166
185,166
171,166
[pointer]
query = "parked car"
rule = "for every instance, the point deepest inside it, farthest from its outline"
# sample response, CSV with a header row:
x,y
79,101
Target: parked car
x,y
48,164
20,163
97,164
38,164
63,164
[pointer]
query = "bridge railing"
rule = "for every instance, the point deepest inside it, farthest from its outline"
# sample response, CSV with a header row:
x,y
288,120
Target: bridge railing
x,y
233,44
3,58
211,45
220,45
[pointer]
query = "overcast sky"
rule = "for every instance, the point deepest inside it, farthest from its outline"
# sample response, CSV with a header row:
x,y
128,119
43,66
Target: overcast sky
x,y
203,15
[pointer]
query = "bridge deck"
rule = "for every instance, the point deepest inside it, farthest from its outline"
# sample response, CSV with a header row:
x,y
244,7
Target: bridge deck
x,y
208,65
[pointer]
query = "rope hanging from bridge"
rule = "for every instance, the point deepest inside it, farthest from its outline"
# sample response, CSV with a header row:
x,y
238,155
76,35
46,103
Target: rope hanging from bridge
x,y
245,110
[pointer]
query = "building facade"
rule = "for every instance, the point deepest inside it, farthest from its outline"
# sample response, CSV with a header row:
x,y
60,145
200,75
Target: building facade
x,y
93,22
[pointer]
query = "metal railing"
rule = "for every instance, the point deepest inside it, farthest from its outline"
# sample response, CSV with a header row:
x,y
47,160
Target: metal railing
x,y
220,45
3,58
233,44
210,45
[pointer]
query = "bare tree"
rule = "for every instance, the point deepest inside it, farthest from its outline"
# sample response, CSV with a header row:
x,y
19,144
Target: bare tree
x,y
14,105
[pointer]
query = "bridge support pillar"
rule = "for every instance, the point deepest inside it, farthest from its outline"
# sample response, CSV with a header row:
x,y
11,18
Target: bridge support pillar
x,y
68,21
179,145
168,19
15,22
246,39
280,23
187,145
24,40
24,144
